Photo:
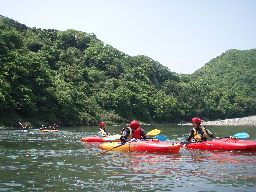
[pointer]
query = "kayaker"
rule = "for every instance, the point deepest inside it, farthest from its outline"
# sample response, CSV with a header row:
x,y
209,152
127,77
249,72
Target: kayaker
x,y
102,129
43,127
25,127
132,132
198,133
55,126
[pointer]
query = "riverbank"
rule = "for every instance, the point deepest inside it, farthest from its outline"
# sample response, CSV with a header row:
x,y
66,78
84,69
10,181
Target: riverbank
x,y
250,121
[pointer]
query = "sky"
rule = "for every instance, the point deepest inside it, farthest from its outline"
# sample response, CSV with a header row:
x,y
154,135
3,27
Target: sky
x,y
182,35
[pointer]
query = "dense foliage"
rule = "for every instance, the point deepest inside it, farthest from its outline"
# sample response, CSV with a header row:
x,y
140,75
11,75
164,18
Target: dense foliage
x,y
232,81
73,78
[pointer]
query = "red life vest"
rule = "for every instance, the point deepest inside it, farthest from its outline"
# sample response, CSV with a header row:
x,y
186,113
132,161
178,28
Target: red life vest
x,y
137,134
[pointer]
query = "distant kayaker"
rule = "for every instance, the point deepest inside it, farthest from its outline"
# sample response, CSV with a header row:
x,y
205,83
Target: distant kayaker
x,y
132,132
43,127
102,129
25,127
55,126
199,133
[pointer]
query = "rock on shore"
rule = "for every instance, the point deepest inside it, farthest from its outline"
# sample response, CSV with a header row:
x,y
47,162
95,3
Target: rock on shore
x,y
250,121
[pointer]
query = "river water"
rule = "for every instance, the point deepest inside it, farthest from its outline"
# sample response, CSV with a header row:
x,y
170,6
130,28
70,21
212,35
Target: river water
x,y
60,162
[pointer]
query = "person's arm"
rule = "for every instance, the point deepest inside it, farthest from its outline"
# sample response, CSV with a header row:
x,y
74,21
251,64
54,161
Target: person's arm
x,y
190,136
124,136
106,132
102,132
143,135
23,127
210,134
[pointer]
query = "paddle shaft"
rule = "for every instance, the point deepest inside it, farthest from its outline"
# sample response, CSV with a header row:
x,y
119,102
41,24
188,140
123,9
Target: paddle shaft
x,y
188,142
239,136
111,149
22,125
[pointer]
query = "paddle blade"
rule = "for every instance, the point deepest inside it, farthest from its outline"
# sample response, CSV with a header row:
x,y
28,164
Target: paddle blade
x,y
242,135
153,132
161,137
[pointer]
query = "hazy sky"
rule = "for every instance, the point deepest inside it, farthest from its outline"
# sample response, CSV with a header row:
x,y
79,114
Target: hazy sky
x,y
180,34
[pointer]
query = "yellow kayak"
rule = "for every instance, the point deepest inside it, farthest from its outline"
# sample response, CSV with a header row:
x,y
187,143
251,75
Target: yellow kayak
x,y
142,146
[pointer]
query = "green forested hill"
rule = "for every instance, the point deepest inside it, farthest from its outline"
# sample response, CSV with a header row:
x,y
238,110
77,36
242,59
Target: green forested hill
x,y
73,78
232,79
234,70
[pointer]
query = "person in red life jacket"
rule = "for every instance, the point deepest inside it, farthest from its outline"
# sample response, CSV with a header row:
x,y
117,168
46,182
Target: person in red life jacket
x,y
102,129
132,132
198,132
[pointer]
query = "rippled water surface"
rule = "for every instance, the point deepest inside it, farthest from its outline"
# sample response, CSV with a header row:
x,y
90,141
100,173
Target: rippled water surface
x,y
60,162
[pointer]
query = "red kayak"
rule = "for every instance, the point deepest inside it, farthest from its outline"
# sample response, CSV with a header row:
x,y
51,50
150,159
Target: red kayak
x,y
226,144
99,139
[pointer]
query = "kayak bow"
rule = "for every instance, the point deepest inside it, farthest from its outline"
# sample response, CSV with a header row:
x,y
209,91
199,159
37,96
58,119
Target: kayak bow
x,y
99,139
226,144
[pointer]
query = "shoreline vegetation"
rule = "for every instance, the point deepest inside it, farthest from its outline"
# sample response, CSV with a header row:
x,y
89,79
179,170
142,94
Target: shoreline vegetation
x,y
72,78
249,121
